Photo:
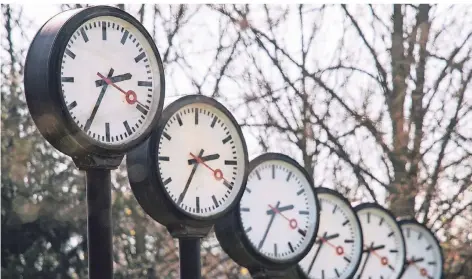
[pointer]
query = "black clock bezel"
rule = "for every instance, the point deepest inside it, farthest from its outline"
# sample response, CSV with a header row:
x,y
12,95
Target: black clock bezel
x,y
412,221
234,241
43,89
326,191
151,194
371,205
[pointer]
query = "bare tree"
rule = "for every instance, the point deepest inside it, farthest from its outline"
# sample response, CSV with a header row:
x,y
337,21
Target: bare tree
x,y
374,101
381,107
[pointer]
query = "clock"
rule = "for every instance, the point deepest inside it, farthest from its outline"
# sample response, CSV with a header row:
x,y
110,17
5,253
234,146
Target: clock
x,y
193,168
94,81
276,221
424,254
338,249
384,247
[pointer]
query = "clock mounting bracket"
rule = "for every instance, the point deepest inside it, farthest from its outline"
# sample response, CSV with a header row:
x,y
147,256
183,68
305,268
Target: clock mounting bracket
x,y
186,231
268,274
93,161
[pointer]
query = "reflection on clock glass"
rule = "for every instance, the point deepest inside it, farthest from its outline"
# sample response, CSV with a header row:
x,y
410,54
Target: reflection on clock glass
x,y
201,159
110,80
278,210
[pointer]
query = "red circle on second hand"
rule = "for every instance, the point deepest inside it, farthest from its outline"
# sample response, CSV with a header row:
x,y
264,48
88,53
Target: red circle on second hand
x,y
339,250
423,272
218,174
293,224
384,261
131,97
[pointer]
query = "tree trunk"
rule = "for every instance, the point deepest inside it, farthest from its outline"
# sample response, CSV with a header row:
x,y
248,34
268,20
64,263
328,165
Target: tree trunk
x,y
402,198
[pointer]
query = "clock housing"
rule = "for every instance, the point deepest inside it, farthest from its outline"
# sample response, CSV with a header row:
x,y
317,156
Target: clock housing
x,y
380,228
149,169
341,257
233,231
44,84
423,247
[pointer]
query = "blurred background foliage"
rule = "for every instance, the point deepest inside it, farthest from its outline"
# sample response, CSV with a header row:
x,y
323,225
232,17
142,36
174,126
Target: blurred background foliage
x,y
374,101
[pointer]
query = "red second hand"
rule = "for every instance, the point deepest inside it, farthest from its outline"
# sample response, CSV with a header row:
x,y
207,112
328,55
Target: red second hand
x,y
131,97
423,271
218,174
383,260
339,249
292,222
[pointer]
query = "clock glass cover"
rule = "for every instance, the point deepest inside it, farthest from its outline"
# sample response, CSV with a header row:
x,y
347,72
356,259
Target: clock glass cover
x,y
384,246
279,209
111,80
338,248
201,157
424,255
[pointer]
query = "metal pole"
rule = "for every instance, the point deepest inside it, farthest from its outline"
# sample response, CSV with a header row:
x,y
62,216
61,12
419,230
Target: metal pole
x,y
99,225
189,249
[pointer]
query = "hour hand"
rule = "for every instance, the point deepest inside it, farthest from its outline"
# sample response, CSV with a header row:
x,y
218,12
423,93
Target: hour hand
x,y
204,158
280,209
114,79
333,236
373,248
416,260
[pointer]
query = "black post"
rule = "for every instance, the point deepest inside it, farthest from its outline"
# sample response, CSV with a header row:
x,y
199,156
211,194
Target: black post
x,y
190,266
99,225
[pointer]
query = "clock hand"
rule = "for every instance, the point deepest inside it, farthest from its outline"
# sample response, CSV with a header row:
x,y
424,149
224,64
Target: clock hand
x,y
281,209
383,260
97,104
377,247
204,158
316,253
423,271
292,222
131,97
339,249
267,230
182,195
218,174
365,262
416,260
114,79
413,260
336,235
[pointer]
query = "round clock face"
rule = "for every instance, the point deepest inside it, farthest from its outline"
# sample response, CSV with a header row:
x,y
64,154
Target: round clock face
x,y
111,80
424,257
338,249
279,210
384,247
202,159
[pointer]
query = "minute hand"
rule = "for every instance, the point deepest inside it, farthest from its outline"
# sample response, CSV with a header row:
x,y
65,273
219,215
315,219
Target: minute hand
x,y
182,195
99,101
268,228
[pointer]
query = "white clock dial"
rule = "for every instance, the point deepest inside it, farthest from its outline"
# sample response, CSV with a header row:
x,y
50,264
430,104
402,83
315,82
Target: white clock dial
x,y
424,258
338,248
201,133
278,210
384,247
110,80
